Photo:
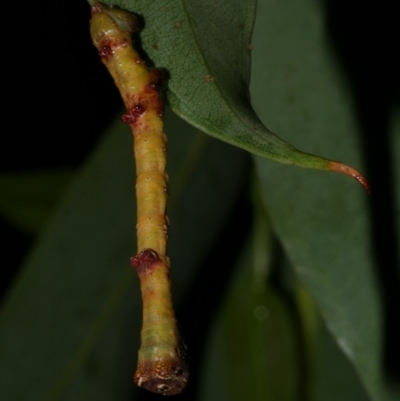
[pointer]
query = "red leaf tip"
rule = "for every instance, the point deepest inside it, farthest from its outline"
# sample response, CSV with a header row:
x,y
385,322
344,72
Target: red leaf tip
x,y
350,171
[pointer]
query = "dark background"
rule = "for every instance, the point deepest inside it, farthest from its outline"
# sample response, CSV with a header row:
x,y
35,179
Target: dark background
x,y
67,100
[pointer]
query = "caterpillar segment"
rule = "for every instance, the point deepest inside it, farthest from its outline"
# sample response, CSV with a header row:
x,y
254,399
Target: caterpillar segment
x,y
161,366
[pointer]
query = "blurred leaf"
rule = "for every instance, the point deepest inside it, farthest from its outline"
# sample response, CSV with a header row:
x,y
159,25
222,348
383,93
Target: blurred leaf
x,y
322,220
395,147
71,326
334,376
259,341
205,46
254,341
310,324
214,377
331,375
244,355
28,198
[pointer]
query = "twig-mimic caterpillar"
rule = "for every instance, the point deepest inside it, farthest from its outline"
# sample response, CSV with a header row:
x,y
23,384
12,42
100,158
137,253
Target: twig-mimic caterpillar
x,y
161,367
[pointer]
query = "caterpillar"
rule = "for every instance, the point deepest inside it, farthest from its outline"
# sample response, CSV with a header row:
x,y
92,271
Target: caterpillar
x,y
161,365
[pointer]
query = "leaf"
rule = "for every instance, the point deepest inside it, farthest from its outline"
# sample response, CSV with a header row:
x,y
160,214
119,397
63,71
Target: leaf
x,y
331,376
321,220
71,324
205,46
334,377
28,198
214,380
259,341
252,351
254,341
395,147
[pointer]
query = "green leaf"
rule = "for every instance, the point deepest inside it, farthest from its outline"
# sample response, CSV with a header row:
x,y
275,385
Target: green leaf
x,y
259,341
331,376
252,348
254,340
321,220
395,147
28,198
71,324
260,336
213,377
334,376
205,46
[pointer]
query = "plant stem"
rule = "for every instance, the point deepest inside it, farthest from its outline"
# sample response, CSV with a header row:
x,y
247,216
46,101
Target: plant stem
x,y
161,367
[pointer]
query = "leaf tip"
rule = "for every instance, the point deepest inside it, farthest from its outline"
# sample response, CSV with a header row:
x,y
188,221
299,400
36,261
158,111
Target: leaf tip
x,y
350,171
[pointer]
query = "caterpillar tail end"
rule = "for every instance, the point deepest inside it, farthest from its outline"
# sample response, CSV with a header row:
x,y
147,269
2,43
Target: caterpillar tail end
x,y
162,376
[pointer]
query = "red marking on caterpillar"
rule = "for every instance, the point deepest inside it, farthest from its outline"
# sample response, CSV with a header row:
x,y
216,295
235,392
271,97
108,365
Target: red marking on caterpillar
x,y
108,46
147,99
132,115
145,260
